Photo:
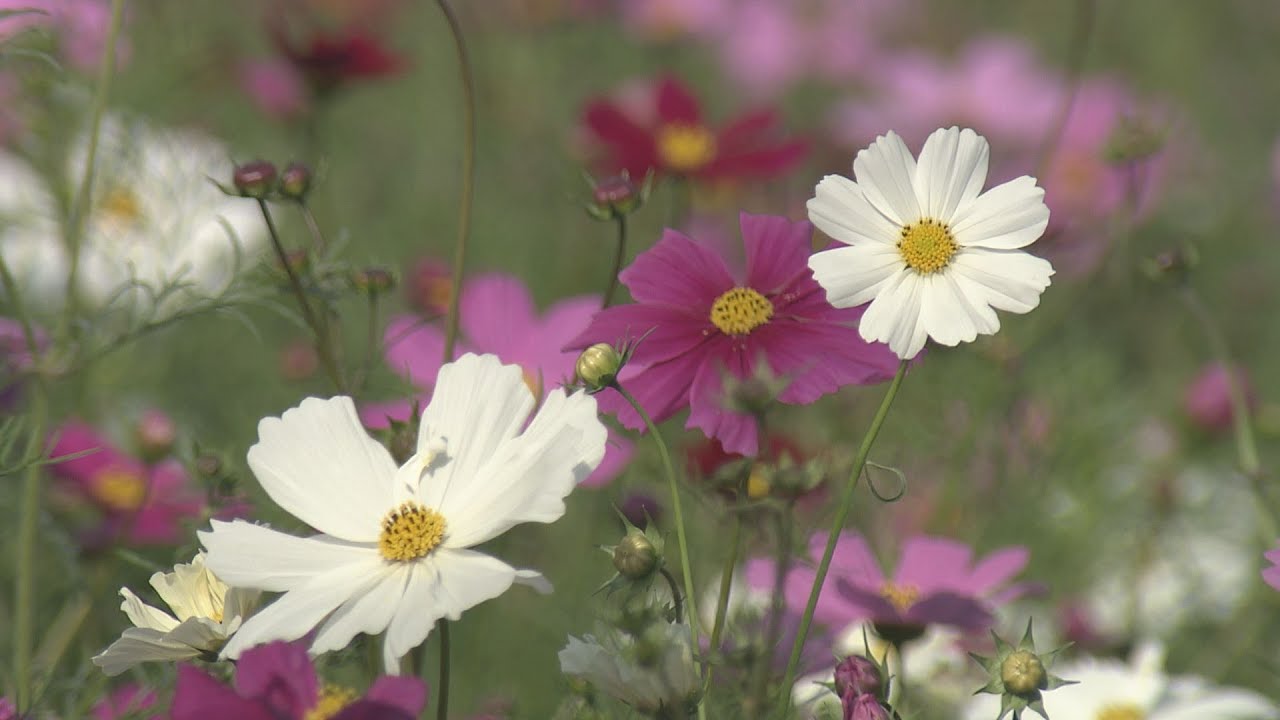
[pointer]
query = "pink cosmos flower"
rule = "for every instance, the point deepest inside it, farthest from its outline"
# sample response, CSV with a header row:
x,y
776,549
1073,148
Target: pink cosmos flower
x,y
277,681
1207,399
704,323
80,25
1271,575
497,316
936,580
140,504
126,701
276,87
670,19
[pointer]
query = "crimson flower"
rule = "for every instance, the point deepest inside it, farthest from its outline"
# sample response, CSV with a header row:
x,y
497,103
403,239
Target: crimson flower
x,y
677,140
700,323
329,59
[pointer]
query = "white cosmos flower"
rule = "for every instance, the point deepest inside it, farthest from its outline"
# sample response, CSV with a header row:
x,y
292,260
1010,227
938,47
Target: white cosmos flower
x,y
1138,690
392,550
205,613
156,220
611,662
933,256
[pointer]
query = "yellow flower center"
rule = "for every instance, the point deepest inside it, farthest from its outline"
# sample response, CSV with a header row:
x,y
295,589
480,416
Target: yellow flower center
x,y
410,532
120,489
685,148
757,483
927,246
333,698
740,310
1120,711
120,206
900,596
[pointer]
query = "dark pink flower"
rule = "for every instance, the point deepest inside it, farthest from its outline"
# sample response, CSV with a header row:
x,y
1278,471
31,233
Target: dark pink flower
x,y
1271,575
704,323
126,701
672,137
277,681
935,581
497,316
1207,399
140,504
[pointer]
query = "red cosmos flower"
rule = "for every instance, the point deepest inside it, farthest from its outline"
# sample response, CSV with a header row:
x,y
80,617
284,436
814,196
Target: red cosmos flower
x,y
330,59
676,140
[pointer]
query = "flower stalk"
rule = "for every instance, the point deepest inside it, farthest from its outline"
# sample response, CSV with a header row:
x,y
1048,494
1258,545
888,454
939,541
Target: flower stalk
x,y
618,257
467,191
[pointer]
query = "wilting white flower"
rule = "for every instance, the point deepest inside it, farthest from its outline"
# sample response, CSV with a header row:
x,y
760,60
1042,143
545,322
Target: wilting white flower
x,y
155,220
649,673
934,255
1138,690
205,613
392,552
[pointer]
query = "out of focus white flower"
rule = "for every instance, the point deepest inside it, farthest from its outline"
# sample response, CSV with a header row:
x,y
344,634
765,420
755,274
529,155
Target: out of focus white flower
x,y
1138,690
650,673
156,220
205,613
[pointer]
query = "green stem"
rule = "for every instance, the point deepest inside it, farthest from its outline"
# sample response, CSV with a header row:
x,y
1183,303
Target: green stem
x,y
678,510
726,585
777,603
618,258
837,524
309,217
442,687
83,199
676,596
371,340
324,347
468,177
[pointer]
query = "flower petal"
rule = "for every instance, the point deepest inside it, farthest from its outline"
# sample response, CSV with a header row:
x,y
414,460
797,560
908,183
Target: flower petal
x,y
894,316
497,314
737,432
822,357
199,696
933,563
244,555
633,146
777,250
677,271
1006,217
140,645
951,171
317,462
368,613
841,209
667,330
526,479
855,274
944,312
143,615
478,405
1008,280
661,389
676,104
885,172
414,348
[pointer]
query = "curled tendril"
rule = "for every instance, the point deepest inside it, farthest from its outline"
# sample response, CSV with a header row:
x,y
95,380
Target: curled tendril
x,y
901,476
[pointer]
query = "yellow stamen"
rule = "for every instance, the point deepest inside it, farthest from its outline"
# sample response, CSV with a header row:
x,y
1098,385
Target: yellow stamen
x,y
927,246
757,483
740,310
685,148
120,489
119,205
901,597
1120,711
410,532
333,698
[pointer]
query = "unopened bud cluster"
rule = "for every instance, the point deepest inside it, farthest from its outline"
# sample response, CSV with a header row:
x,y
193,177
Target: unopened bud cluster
x,y
617,196
261,180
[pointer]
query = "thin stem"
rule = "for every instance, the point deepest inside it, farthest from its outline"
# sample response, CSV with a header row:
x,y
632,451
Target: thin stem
x,y
1086,11
681,539
322,246
84,195
324,347
777,602
677,597
371,340
837,524
726,585
468,176
442,687
618,257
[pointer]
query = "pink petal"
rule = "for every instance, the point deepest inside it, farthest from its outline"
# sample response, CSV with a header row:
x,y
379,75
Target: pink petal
x,y
677,272
947,608
617,453
675,331
378,416
737,432
934,563
661,389
996,569
777,251
413,348
821,357
676,104
542,349
497,314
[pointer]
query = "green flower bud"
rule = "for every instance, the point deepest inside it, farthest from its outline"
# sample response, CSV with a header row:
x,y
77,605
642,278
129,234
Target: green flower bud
x,y
1022,672
598,366
373,280
295,181
255,179
635,557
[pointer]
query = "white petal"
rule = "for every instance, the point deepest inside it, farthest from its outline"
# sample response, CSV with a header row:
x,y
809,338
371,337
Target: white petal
x,y
526,479
143,615
839,209
454,581
477,405
139,645
296,612
1006,217
200,633
369,613
945,314
894,316
856,274
318,463
245,555
951,171
885,172
1009,280
190,591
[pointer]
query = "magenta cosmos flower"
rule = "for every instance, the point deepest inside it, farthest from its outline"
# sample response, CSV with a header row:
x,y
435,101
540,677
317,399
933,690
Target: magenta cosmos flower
x,y
278,682
936,581
140,504
702,322
497,316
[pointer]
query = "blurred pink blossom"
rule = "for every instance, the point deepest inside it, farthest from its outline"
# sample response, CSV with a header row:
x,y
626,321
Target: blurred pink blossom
x,y
81,27
1207,399
671,19
276,87
1271,575
126,701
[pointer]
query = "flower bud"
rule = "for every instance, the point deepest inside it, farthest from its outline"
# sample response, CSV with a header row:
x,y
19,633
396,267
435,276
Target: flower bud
x,y
373,280
255,179
639,508
1208,398
155,434
598,366
617,196
635,557
429,284
1022,672
858,675
863,706
295,181
209,466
